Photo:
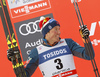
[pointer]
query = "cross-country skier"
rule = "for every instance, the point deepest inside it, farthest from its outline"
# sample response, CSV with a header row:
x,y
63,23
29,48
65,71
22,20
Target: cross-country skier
x,y
55,56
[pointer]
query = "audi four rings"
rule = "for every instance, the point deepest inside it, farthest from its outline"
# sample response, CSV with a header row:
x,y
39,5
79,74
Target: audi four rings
x,y
28,28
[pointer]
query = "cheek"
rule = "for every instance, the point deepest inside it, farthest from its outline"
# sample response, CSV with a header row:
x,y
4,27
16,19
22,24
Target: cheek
x,y
53,33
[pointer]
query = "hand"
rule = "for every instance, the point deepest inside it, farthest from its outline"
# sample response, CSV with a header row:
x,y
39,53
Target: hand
x,y
11,53
84,32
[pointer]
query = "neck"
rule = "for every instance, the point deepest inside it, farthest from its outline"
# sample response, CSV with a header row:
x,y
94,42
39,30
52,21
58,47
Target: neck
x,y
50,42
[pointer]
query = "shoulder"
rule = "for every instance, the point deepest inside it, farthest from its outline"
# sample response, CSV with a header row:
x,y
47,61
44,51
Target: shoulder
x,y
69,40
71,43
33,52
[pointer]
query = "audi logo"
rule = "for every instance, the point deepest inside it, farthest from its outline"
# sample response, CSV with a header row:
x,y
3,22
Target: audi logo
x,y
29,27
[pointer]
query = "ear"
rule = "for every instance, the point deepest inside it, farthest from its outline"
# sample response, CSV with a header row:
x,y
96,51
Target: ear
x,y
47,34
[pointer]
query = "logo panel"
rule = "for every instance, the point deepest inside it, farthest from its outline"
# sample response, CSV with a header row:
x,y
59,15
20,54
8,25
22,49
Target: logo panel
x,y
24,7
29,29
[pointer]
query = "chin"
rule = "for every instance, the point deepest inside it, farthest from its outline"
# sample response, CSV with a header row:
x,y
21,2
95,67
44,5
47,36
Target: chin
x,y
57,39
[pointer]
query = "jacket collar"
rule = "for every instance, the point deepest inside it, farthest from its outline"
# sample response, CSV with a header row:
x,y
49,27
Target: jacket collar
x,y
46,43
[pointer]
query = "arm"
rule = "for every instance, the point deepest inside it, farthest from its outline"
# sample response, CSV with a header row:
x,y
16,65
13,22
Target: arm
x,y
78,50
32,62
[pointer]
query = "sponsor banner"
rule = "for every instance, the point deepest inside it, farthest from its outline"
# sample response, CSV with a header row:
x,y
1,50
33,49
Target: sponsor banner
x,y
95,42
56,52
93,27
29,34
24,7
94,32
68,73
18,3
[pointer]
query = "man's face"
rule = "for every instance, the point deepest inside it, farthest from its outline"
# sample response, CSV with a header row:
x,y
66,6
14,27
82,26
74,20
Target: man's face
x,y
54,34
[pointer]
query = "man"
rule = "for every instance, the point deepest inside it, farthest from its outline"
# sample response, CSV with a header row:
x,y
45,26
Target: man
x,y
55,56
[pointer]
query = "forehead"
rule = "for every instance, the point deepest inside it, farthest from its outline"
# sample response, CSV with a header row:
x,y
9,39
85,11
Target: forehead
x,y
57,27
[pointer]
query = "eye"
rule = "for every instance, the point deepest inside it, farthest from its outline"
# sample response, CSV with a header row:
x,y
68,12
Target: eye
x,y
56,29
